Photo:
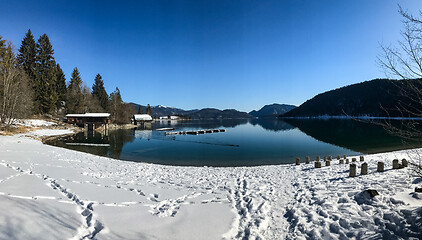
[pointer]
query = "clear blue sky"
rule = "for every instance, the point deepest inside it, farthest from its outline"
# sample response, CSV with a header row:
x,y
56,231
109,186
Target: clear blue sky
x,y
222,54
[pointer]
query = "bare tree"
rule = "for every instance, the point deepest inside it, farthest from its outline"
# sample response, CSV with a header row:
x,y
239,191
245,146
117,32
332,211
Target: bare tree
x,y
404,62
15,92
91,103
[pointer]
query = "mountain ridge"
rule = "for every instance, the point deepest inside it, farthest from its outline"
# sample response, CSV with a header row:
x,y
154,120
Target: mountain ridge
x,y
272,110
205,113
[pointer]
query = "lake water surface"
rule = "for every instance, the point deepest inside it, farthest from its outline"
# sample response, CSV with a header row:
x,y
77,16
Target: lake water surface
x,y
245,143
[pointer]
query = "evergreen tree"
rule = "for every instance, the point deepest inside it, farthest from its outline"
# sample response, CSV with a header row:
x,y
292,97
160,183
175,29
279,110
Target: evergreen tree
x,y
45,86
140,109
120,112
99,92
27,56
60,86
116,104
75,97
149,112
3,48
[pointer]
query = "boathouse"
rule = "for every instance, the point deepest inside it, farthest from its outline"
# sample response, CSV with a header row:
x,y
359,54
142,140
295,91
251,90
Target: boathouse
x,y
140,118
87,119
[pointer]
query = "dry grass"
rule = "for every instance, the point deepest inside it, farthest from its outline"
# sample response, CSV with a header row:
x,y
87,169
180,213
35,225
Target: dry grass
x,y
12,130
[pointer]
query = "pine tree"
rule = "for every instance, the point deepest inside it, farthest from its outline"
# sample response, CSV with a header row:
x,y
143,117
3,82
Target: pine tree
x,y
140,109
60,86
116,104
99,92
120,112
27,56
45,89
75,97
2,47
149,112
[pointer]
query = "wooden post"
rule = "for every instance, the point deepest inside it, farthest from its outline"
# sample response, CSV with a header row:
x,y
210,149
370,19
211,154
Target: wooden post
x,y
347,161
404,162
317,164
364,169
297,161
353,159
330,158
396,164
318,158
344,156
380,167
341,161
325,158
362,158
338,157
307,159
328,163
352,172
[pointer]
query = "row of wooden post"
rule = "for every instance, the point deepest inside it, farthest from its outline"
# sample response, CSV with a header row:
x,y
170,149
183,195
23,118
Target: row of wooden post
x,y
353,167
328,160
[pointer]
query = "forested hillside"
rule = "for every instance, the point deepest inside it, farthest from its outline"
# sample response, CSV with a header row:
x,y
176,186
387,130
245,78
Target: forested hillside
x,y
377,98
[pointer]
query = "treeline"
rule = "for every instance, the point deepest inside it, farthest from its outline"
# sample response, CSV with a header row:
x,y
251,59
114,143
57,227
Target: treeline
x,y
32,82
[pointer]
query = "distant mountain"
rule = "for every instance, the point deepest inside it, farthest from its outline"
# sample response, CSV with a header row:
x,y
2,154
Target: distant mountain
x,y
272,110
376,98
160,110
206,113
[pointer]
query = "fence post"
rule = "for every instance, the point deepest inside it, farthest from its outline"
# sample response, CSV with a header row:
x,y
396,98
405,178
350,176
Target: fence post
x,y
364,169
380,167
317,164
352,172
396,164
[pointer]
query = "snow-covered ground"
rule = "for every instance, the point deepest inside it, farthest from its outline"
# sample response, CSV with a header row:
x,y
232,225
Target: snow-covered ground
x,y
49,132
34,123
53,193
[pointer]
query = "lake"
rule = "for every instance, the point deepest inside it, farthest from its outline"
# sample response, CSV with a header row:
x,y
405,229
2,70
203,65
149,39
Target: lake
x,y
246,142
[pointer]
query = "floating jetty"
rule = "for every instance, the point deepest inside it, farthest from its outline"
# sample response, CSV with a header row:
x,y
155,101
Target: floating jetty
x,y
196,132
164,129
89,144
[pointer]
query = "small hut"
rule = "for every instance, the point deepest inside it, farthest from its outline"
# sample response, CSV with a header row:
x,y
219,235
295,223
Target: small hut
x,y
141,118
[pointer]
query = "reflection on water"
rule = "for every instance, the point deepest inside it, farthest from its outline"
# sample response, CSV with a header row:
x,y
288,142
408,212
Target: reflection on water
x,y
272,124
359,136
246,142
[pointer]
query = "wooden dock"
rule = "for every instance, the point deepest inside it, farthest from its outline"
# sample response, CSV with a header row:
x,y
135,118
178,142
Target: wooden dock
x,y
164,129
196,132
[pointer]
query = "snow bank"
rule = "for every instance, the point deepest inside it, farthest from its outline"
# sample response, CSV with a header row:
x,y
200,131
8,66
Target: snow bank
x,y
50,193
50,132
35,123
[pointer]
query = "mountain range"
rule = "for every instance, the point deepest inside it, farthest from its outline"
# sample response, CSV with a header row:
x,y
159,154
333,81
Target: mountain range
x,y
272,110
206,113
375,98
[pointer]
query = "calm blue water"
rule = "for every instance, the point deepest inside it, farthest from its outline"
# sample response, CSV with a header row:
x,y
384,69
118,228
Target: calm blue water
x,y
245,143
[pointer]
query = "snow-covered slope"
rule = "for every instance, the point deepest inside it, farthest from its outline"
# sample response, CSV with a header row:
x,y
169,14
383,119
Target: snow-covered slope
x,y
53,193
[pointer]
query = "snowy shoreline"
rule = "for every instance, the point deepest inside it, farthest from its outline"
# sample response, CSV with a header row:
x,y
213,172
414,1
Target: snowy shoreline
x,y
53,193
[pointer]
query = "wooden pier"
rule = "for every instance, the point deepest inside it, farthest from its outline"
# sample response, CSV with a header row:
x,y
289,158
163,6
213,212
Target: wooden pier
x,y
196,132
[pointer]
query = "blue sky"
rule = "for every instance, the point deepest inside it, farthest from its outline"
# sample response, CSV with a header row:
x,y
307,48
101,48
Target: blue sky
x,y
222,54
